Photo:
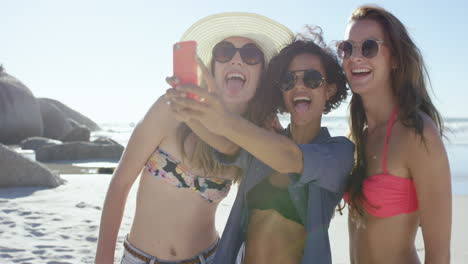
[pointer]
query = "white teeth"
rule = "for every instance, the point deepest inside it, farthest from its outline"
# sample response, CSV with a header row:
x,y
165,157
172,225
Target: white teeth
x,y
360,70
235,75
301,98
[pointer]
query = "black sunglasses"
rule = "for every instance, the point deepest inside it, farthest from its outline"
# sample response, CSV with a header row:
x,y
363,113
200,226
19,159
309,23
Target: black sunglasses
x,y
224,51
369,48
311,79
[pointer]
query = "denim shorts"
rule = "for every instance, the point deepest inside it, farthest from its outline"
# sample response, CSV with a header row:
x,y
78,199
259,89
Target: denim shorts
x,y
131,258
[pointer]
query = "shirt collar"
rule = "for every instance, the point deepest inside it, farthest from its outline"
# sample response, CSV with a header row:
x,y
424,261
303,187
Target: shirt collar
x,y
322,136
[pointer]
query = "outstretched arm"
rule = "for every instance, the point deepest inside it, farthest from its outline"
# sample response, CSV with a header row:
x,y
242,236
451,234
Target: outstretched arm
x,y
326,164
277,151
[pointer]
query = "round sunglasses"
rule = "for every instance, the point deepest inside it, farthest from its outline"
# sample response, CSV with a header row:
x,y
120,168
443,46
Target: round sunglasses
x,y
369,48
311,79
224,51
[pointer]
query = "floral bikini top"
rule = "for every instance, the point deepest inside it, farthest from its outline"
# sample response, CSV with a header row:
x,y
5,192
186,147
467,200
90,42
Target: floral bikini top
x,y
164,167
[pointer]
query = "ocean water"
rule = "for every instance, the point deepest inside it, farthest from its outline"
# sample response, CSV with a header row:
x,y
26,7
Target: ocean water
x,y
456,142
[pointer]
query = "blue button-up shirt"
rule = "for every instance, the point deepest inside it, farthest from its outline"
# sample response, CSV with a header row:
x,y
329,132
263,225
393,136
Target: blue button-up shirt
x,y
315,193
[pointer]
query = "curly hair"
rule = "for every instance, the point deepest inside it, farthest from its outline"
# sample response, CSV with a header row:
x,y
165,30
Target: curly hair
x,y
268,100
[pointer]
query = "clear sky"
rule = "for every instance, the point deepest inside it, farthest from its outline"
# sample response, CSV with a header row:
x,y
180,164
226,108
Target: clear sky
x,y
108,58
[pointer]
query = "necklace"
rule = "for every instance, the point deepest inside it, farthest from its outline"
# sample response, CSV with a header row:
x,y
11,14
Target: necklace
x,y
366,135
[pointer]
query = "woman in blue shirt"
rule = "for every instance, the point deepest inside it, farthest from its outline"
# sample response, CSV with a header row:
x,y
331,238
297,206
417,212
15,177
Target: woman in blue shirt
x,y
293,178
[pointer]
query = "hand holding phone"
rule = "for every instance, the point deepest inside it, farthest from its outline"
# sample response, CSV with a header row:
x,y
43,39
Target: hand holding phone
x,y
185,64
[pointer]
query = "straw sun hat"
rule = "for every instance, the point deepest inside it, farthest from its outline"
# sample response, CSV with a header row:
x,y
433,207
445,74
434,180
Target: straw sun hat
x,y
268,34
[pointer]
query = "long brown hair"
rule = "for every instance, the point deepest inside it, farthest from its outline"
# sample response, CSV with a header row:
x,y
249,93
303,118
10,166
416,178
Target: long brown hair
x,y
409,85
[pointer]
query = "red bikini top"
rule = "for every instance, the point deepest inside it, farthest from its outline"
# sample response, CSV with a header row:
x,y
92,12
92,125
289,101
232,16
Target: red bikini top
x,y
385,194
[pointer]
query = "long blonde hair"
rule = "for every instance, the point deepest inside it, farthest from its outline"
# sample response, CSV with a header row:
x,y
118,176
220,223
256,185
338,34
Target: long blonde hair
x,y
202,156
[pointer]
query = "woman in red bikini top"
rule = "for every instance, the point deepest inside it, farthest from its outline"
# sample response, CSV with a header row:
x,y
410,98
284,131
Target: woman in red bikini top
x,y
401,178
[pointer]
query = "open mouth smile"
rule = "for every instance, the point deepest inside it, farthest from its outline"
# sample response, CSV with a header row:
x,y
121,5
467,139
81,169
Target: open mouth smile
x,y
301,103
234,82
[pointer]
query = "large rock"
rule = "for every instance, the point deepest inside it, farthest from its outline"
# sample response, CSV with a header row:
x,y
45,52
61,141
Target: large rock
x,y
55,123
23,116
20,115
74,151
72,114
36,143
19,171
78,133
105,141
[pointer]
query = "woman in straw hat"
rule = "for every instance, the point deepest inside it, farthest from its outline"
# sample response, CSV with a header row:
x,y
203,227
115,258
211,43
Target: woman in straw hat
x,y
181,185
401,180
293,179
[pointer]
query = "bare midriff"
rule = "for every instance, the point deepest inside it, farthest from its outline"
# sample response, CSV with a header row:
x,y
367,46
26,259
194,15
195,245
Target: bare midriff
x,y
272,238
171,223
384,240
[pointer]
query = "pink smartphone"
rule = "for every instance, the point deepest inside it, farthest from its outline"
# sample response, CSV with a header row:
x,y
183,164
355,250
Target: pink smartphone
x,y
185,64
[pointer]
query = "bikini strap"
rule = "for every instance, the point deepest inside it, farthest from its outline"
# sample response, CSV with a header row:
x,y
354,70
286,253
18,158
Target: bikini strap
x,y
387,136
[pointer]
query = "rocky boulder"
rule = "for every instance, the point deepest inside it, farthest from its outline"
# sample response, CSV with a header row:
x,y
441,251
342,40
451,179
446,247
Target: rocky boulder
x,y
23,116
77,133
72,114
55,123
20,115
19,171
74,151
105,141
36,143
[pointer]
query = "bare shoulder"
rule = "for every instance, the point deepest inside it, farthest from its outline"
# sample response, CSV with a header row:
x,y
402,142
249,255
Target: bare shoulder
x,y
424,150
157,124
430,136
160,115
159,108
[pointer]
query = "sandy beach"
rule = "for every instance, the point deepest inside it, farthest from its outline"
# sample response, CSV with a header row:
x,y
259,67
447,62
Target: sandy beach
x,y
61,225
58,226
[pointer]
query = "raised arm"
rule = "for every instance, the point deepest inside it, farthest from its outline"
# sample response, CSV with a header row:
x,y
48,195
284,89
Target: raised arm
x,y
218,142
429,168
277,151
326,163
147,134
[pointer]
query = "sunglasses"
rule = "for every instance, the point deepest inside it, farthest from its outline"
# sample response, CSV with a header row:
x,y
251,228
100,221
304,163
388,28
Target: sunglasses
x,y
369,48
311,79
224,51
